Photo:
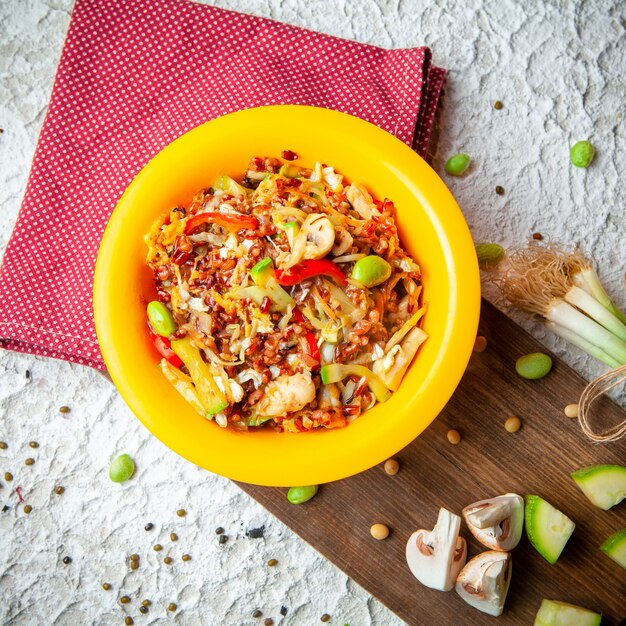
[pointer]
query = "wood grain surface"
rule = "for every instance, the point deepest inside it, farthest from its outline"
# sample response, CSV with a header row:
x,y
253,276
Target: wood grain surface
x,y
489,461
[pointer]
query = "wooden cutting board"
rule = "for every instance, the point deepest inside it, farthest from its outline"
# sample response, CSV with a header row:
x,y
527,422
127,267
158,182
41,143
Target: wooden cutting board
x,y
489,461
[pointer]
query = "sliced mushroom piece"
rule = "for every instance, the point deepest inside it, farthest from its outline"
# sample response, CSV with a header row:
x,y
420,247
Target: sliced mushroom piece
x,y
392,367
435,557
319,234
484,582
497,522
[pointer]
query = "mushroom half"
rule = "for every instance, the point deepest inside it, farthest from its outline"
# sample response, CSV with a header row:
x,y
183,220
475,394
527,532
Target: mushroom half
x,y
497,522
484,581
436,556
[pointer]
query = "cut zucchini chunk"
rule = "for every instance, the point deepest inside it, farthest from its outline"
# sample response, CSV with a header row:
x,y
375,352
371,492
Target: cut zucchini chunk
x,y
555,613
604,485
615,547
547,528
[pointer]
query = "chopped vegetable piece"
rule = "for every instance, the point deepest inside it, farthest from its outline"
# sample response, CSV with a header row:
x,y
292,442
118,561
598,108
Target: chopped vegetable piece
x,y
160,319
581,154
334,372
457,165
230,221
547,528
182,384
392,367
162,344
533,366
121,468
209,394
262,271
299,495
263,275
309,269
371,270
231,186
555,613
496,522
615,547
604,485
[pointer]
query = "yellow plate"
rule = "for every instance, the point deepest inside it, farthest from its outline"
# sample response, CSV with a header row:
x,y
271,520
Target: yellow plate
x,y
432,228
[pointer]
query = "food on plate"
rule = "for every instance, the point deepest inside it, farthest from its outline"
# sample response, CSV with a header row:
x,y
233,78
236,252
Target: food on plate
x,y
604,485
285,300
555,613
435,557
615,547
497,522
547,528
533,366
484,581
300,495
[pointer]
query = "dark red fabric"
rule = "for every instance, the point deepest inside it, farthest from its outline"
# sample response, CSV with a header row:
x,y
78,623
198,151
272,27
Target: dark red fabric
x,y
133,76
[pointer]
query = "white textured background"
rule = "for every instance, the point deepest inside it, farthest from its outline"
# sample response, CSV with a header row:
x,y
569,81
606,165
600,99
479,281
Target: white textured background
x,y
559,70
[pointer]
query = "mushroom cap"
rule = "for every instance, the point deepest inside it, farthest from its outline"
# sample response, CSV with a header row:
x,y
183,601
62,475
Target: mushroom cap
x,y
484,581
496,522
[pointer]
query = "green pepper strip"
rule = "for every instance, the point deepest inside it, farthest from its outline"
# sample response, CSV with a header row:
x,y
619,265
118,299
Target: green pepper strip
x,y
334,372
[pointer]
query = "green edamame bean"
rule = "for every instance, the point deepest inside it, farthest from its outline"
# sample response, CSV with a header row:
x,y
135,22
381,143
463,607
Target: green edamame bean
x,y
533,366
582,153
457,165
489,255
161,319
371,270
298,495
121,468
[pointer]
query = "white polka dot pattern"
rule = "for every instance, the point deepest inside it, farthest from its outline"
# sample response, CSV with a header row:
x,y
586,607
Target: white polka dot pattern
x,y
133,76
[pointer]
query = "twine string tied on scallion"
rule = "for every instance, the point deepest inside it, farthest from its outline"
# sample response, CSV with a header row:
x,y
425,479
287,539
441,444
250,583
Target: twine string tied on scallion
x,y
593,391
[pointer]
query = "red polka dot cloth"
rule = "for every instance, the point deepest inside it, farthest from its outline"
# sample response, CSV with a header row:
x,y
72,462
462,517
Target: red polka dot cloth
x,y
133,76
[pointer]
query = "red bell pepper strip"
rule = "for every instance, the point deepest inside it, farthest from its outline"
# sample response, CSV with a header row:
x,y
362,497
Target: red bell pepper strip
x,y
311,343
164,348
308,269
228,220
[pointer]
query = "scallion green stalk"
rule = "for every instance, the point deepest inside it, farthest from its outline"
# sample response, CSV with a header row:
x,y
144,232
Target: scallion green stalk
x,y
587,279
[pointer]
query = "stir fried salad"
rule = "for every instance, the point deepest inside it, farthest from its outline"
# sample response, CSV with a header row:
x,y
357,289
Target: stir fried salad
x,y
285,301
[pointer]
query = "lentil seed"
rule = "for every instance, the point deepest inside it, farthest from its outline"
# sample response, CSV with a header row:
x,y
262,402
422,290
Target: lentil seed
x,y
497,105
283,610
143,609
3,445
171,606
106,586
391,467
379,531
8,476
223,539
146,603
157,547
59,490
186,557
27,509
33,444
181,512
537,236
128,620
512,424
480,344
571,410
148,526
134,557
67,560
64,409
454,436
173,536
219,531
29,461
167,560
27,374
499,190
272,562
124,600
134,565
257,613
325,618
268,621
